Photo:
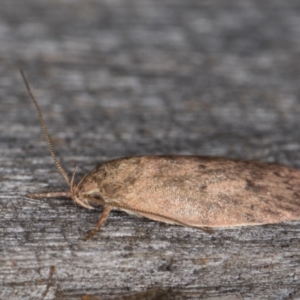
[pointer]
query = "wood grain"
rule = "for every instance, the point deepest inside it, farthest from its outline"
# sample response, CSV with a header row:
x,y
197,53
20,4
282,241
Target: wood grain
x,y
123,78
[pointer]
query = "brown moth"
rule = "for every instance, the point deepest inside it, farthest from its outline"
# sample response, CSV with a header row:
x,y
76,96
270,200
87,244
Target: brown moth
x,y
196,191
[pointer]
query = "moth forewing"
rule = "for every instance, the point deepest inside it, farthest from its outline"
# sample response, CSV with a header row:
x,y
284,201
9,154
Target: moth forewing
x,y
203,192
200,191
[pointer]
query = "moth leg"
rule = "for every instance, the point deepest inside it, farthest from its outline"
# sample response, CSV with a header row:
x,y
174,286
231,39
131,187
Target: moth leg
x,y
101,221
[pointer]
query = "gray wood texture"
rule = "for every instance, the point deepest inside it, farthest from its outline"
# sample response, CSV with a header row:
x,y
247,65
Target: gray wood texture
x,y
121,78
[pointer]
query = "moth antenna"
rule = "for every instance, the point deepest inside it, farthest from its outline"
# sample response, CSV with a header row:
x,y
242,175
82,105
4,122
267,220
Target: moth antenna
x,y
72,181
44,128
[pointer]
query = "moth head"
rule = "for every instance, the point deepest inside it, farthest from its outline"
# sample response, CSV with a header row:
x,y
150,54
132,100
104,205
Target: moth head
x,y
86,193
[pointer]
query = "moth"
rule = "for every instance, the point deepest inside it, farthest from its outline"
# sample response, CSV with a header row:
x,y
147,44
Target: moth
x,y
196,191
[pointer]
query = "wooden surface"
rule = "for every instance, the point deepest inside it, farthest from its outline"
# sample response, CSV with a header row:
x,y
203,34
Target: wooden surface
x,y
122,78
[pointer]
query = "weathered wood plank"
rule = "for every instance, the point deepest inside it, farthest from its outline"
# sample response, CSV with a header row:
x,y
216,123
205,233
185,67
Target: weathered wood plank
x,y
120,78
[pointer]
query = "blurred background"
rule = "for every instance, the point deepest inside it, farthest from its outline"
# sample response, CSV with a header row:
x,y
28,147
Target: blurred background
x,y
133,77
